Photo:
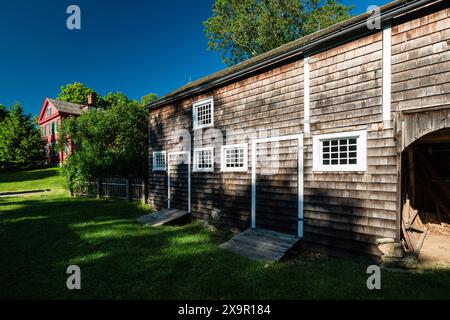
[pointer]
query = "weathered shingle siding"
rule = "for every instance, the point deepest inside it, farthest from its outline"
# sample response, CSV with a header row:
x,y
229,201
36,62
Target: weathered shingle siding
x,y
270,102
344,212
421,61
351,210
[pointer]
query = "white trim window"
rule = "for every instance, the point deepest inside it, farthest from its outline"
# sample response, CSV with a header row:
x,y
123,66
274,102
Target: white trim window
x,y
204,159
234,158
159,161
203,114
343,151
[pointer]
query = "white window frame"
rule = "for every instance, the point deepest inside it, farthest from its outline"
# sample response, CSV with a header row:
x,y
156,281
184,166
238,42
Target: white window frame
x,y
196,168
195,107
361,143
224,148
159,168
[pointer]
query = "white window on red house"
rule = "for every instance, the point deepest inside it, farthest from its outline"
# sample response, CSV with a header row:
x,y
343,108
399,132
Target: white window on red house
x,y
204,159
203,113
49,111
159,161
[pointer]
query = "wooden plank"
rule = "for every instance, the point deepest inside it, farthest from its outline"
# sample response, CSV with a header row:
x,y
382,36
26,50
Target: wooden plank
x,y
261,244
162,217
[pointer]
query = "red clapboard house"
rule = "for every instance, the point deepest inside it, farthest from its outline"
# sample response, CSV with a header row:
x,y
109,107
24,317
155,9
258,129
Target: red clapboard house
x,y
52,112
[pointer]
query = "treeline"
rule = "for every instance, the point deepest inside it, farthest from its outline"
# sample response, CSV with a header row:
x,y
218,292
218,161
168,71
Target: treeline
x,y
21,146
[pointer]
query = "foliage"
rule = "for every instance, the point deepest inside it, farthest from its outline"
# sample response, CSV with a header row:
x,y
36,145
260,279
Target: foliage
x,y
147,99
242,29
3,112
106,142
20,141
76,93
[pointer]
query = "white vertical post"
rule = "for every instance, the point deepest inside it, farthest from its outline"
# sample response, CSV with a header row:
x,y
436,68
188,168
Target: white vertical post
x,y
387,47
300,188
253,184
189,182
168,181
306,115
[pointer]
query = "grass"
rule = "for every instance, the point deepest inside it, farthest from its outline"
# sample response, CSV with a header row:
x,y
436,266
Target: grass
x,y
31,180
122,259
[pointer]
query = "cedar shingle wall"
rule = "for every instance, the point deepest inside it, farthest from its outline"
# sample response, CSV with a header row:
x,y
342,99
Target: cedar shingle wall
x,y
350,210
344,212
421,61
271,103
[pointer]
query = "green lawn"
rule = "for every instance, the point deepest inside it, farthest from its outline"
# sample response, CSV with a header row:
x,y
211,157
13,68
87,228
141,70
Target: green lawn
x,y
122,259
31,180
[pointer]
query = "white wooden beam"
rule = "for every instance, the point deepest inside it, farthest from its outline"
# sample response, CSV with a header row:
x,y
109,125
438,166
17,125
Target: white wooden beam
x,y
387,47
306,115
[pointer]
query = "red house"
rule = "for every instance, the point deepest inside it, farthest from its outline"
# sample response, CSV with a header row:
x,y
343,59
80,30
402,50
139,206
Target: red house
x,y
52,112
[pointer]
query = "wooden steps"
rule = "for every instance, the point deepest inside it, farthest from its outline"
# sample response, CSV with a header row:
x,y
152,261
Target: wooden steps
x,y
162,217
261,244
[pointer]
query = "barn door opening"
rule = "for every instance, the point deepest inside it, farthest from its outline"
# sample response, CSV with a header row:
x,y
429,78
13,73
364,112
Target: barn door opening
x,y
179,180
277,184
426,196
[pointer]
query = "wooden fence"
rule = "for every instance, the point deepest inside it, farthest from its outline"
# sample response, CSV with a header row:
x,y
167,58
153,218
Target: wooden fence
x,y
112,187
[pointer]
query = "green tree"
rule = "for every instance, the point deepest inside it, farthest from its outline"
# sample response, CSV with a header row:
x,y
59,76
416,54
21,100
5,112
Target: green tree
x,y
115,99
106,142
20,141
77,93
147,99
3,112
242,29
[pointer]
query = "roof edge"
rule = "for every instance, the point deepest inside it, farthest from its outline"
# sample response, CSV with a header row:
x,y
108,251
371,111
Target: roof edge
x,y
286,51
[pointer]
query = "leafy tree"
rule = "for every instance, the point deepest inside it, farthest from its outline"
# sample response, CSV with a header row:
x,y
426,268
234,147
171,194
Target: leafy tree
x,y
106,142
242,29
3,112
76,93
115,99
20,141
147,99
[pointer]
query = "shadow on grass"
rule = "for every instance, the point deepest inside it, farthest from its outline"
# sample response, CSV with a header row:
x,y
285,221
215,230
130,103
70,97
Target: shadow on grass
x,y
32,175
123,259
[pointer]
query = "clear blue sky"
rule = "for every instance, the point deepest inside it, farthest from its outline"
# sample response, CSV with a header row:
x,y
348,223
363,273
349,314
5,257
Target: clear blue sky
x,y
133,46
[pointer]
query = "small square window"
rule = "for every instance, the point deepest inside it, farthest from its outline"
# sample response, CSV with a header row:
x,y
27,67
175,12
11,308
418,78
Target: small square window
x,y
235,157
203,114
159,161
204,159
344,151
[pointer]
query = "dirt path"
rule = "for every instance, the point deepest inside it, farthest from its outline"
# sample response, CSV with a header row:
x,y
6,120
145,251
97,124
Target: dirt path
x,y
435,251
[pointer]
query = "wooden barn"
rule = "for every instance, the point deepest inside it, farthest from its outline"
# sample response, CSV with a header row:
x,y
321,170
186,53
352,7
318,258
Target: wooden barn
x,y
339,138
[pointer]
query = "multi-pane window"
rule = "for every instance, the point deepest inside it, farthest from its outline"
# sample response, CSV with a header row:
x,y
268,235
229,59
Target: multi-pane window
x,y
204,159
49,111
339,151
234,157
203,114
159,161
343,151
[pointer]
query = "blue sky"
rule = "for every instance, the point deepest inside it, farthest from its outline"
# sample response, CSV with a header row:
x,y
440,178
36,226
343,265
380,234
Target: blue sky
x,y
133,46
